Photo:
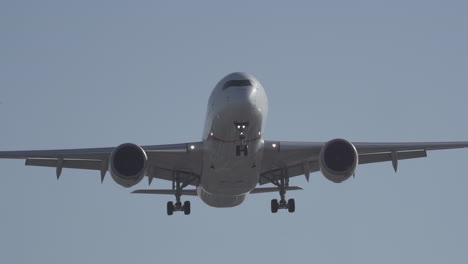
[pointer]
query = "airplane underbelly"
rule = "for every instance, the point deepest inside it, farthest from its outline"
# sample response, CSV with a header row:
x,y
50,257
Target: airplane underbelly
x,y
225,173
220,200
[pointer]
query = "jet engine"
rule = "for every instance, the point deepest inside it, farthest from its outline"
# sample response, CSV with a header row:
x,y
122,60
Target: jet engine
x,y
127,164
338,160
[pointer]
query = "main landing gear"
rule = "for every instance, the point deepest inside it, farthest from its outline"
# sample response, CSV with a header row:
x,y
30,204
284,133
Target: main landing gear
x,y
282,183
172,207
290,205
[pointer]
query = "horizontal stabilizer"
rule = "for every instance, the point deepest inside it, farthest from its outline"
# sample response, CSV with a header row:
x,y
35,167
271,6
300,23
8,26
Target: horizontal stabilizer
x,y
192,192
274,189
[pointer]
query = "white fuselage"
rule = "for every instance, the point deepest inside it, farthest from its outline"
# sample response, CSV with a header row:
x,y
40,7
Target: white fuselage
x,y
238,100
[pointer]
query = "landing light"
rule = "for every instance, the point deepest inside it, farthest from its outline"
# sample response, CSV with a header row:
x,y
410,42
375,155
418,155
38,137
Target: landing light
x,y
192,147
273,145
211,134
238,127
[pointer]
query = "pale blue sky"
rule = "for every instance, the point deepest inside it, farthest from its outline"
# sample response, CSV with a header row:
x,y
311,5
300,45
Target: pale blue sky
x,y
100,73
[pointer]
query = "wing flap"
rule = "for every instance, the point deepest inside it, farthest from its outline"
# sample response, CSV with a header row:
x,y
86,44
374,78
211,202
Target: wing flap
x,y
97,153
400,155
71,164
377,147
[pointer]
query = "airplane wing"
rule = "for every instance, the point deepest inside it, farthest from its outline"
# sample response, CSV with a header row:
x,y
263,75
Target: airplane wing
x,y
163,160
301,158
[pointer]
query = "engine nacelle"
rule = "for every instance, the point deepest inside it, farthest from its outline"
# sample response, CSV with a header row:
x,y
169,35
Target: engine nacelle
x,y
127,164
338,160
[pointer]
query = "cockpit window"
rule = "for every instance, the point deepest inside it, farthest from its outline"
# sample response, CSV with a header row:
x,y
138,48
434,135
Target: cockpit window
x,y
236,83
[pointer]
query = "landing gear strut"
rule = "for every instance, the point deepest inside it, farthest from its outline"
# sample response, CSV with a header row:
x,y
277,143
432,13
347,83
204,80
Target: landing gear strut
x,y
242,149
282,183
177,185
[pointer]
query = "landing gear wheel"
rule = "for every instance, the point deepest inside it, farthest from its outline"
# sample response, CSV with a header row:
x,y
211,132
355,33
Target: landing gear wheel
x,y
246,150
186,207
238,151
291,205
170,208
274,206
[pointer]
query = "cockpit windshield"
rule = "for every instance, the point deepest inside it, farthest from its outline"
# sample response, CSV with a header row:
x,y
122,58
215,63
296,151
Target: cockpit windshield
x,y
232,83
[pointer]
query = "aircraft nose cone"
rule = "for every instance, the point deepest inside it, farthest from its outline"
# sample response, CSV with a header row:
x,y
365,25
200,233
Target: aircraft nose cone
x,y
239,76
241,92
242,96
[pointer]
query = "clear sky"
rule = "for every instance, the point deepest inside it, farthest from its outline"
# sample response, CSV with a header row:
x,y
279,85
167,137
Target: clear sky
x,y
99,73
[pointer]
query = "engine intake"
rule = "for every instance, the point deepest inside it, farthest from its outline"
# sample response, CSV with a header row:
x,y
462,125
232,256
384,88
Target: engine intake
x,y
338,160
127,164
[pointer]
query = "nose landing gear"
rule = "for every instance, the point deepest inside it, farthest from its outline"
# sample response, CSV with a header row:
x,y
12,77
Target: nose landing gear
x,y
243,148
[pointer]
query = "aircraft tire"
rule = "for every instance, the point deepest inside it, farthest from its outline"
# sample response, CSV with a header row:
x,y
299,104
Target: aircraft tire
x,y
170,208
291,205
274,206
186,207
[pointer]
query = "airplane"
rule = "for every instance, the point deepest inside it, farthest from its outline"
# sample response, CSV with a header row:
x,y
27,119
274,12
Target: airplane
x,y
233,159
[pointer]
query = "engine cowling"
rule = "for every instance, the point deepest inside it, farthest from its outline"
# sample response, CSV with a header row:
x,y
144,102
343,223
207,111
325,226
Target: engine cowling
x,y
338,160
127,164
